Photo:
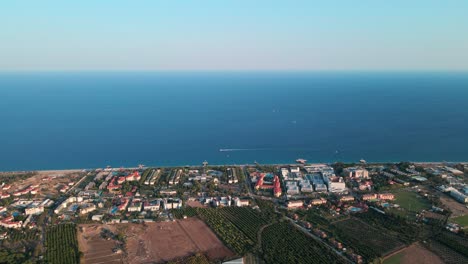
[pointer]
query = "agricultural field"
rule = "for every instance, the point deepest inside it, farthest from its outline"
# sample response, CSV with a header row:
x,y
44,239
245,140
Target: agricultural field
x,y
461,220
187,211
283,243
411,201
97,245
364,239
447,254
226,230
180,241
414,254
167,241
455,207
393,224
61,244
246,219
453,241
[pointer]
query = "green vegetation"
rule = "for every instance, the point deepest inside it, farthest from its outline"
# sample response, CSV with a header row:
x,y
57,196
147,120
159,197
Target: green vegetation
x,y
267,209
461,220
62,245
12,257
226,230
187,211
145,174
19,235
411,201
246,219
365,240
394,224
455,242
395,259
195,259
283,243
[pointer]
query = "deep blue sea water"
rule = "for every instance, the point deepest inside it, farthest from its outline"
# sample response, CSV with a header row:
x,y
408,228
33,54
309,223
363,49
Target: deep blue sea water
x,y
88,120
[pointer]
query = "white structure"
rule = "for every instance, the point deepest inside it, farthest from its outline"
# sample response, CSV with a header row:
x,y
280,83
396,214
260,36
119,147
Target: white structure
x,y
296,169
356,173
335,184
87,208
319,187
458,196
34,210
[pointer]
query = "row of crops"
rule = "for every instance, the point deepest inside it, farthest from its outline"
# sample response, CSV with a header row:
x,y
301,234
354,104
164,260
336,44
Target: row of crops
x,y
20,235
187,211
365,240
62,245
455,242
246,219
226,230
398,226
283,243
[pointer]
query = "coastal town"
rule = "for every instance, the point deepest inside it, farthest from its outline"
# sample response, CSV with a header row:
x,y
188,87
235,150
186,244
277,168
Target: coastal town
x,y
284,213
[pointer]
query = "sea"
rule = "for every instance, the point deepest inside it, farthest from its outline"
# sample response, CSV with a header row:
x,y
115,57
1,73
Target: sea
x,y
64,120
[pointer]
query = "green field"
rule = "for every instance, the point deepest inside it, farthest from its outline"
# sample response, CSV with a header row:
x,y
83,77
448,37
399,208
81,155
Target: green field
x,y
395,259
411,201
461,220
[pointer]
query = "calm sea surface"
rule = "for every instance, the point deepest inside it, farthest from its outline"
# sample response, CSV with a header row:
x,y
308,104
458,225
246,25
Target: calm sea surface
x,y
87,120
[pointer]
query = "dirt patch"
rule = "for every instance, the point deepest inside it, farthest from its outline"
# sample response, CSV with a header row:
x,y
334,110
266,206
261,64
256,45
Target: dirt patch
x,y
161,242
49,182
195,204
151,242
457,208
95,247
414,254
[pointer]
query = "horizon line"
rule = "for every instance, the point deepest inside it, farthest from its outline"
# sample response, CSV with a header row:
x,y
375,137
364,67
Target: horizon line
x,y
233,70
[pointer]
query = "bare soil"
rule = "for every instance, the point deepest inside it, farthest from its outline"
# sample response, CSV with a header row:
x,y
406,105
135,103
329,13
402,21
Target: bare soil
x,y
151,242
417,254
457,208
96,249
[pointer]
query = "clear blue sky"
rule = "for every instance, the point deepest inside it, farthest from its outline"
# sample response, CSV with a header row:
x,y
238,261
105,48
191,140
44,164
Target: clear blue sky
x,y
234,35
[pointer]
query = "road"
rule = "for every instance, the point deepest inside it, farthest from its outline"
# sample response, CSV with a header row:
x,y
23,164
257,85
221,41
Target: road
x,y
305,231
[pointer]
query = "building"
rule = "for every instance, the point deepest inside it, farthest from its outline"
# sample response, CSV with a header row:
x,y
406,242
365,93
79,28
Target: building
x,y
97,217
354,172
367,197
347,198
335,184
135,206
9,222
34,210
295,169
320,187
276,187
307,188
295,204
453,171
151,205
458,196
232,175
318,201
87,208
386,196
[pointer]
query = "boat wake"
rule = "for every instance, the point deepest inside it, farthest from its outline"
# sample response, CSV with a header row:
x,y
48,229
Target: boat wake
x,y
229,150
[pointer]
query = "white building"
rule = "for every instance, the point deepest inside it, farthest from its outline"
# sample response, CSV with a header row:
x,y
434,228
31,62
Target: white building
x,y
295,169
87,208
356,172
458,196
34,210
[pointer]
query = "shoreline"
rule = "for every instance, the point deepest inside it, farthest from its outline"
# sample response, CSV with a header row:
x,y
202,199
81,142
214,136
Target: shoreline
x,y
45,171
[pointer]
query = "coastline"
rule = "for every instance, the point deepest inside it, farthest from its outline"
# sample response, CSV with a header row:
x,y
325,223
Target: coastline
x,y
56,171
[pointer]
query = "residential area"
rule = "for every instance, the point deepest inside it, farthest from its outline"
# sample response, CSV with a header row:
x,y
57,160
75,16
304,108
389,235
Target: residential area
x,y
237,213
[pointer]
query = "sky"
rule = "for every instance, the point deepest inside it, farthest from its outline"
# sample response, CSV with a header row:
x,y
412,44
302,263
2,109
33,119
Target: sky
x,y
233,35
